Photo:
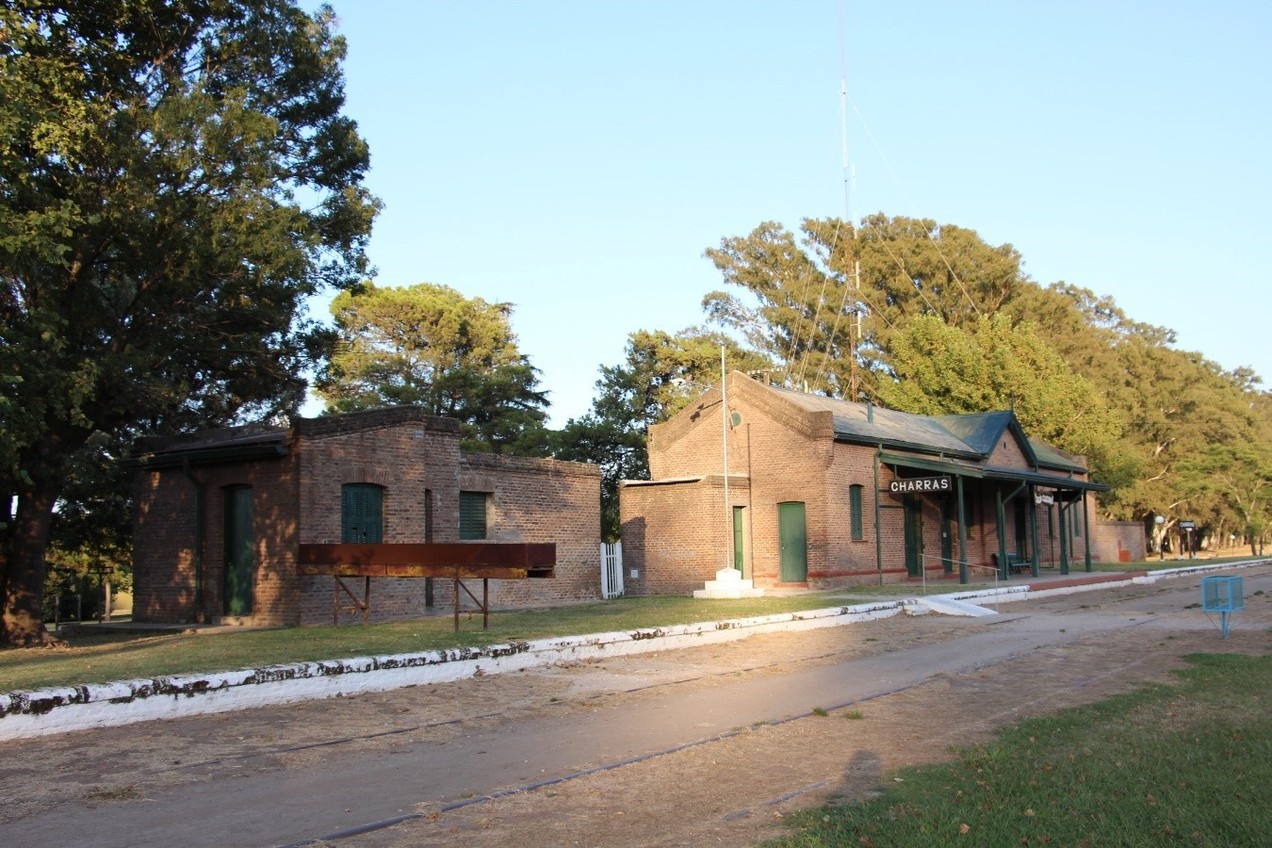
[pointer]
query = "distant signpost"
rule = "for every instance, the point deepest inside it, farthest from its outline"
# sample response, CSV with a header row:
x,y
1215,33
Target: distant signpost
x,y
1188,527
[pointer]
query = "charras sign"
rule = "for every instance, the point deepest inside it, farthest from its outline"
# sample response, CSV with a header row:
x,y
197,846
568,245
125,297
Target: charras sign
x,y
912,485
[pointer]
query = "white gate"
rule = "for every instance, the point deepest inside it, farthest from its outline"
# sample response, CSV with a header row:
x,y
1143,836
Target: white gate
x,y
611,570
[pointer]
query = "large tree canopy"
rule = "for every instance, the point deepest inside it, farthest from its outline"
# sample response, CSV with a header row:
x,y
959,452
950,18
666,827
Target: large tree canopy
x,y
432,346
825,306
991,364
929,317
176,178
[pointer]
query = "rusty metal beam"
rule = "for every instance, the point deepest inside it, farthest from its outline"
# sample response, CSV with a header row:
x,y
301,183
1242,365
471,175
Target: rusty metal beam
x,y
497,560
483,561
450,572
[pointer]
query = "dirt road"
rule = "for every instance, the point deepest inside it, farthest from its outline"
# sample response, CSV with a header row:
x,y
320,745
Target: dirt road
x,y
711,745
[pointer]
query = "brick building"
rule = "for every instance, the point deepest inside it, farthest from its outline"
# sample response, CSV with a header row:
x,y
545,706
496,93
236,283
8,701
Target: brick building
x,y
220,515
824,492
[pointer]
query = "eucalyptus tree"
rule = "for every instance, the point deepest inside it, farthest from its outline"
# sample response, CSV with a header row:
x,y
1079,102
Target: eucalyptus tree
x,y
992,364
824,306
177,177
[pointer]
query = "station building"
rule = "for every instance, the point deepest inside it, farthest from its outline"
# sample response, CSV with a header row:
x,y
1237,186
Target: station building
x,y
220,516
794,489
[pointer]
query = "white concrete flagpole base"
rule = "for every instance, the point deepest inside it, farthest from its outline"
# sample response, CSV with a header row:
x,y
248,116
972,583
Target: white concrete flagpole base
x,y
728,583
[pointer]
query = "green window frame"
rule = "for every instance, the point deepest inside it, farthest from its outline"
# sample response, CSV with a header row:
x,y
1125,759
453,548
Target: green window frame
x,y
361,513
854,509
474,515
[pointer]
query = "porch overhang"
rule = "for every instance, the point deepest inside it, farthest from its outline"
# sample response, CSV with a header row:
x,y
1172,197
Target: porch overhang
x,y
245,449
984,472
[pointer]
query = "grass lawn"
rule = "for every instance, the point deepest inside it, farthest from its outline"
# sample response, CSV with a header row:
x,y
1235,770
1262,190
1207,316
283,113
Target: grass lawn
x,y
1168,765
108,656
105,657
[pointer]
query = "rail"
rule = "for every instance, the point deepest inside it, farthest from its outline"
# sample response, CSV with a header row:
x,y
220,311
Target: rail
x,y
942,560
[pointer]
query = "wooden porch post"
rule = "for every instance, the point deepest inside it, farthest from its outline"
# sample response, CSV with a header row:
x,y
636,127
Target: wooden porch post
x,y
962,535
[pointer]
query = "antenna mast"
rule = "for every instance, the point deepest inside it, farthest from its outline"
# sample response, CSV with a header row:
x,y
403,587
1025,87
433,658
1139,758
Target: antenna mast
x,y
854,278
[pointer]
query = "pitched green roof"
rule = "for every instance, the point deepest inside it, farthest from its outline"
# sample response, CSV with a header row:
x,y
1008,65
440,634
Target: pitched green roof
x,y
971,436
874,425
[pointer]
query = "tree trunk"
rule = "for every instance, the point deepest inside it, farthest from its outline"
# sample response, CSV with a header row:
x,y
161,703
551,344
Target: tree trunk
x,y
22,620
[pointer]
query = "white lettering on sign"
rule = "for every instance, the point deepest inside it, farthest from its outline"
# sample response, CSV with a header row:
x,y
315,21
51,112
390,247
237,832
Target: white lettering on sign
x,y
920,484
1044,499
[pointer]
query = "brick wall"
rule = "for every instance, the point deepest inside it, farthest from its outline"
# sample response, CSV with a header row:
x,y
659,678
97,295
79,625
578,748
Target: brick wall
x,y
674,529
1118,541
415,459
542,500
164,557
296,499
676,535
163,548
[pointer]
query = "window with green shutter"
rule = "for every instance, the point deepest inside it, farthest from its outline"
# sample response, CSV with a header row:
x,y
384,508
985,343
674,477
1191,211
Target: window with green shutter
x,y
854,506
361,513
472,515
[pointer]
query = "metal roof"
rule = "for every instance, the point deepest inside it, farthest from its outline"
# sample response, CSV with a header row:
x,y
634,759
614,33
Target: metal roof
x,y
951,438
860,422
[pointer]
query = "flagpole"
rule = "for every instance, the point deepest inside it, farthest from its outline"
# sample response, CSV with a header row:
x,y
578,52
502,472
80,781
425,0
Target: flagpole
x,y
724,439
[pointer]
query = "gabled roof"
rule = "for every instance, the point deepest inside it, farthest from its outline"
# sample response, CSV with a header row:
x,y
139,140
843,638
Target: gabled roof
x,y
982,430
969,438
867,424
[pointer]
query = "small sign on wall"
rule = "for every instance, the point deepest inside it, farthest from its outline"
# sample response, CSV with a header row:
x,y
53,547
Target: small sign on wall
x,y
918,485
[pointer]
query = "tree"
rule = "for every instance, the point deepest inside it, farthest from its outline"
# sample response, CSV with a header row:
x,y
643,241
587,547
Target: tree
x,y
431,346
794,306
177,178
662,374
1241,475
991,364
826,307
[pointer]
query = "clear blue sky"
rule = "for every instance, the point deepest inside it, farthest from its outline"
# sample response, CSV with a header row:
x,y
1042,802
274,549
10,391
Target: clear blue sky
x,y
576,158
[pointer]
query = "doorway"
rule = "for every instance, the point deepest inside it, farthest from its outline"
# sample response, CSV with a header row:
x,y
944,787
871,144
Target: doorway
x,y
948,527
238,551
793,541
913,535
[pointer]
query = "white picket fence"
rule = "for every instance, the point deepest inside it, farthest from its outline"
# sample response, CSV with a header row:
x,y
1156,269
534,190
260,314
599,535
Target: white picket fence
x,y
611,570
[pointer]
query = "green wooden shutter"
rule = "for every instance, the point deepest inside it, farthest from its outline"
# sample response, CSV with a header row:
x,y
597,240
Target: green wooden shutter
x,y
472,515
361,513
854,505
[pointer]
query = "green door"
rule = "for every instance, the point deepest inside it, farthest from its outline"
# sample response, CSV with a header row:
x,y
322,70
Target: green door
x,y
1022,532
238,551
913,536
948,526
738,523
793,539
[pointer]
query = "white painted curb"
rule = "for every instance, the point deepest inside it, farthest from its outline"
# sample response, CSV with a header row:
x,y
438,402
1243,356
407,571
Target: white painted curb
x,y
71,708
66,709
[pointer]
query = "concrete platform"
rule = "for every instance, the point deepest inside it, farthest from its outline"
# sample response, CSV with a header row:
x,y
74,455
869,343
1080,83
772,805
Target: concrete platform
x,y
729,584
